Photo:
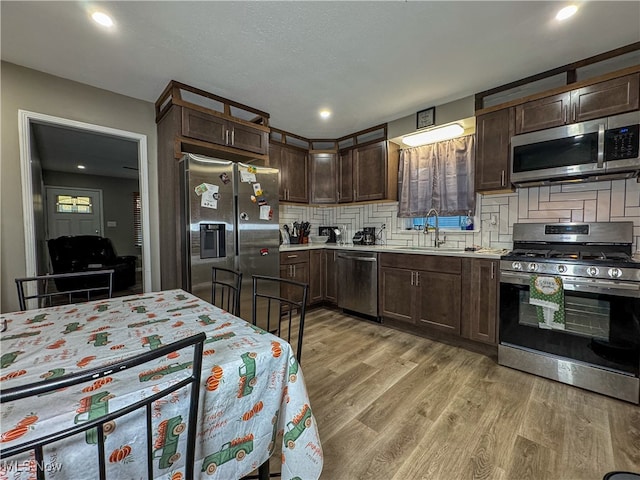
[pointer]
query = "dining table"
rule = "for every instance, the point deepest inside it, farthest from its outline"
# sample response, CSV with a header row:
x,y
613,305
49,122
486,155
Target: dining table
x,y
252,390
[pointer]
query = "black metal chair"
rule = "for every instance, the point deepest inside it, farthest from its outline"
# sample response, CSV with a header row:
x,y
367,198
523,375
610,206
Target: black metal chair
x,y
226,285
98,427
621,476
52,289
279,307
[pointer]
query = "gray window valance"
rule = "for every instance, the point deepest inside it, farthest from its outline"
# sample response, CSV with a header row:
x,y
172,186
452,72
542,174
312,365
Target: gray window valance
x,y
440,176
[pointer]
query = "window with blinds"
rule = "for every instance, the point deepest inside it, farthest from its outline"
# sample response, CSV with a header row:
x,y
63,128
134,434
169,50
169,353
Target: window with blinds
x,y
137,221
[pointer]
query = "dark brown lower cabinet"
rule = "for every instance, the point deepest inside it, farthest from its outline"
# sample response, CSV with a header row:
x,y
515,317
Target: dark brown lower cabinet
x,y
480,300
294,266
330,261
420,290
396,295
316,277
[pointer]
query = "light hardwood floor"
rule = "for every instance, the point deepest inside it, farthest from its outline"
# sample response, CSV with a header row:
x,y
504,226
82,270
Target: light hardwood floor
x,y
394,406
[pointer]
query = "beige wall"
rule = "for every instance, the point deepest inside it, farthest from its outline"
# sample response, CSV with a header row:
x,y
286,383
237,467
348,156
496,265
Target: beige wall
x,y
26,89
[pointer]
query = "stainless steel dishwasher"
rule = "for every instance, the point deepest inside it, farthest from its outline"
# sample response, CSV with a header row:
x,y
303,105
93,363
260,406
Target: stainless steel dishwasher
x,y
358,282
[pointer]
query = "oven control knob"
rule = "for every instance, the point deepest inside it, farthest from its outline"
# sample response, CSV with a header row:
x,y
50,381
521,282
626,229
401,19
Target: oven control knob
x,y
562,268
615,272
516,266
592,271
533,267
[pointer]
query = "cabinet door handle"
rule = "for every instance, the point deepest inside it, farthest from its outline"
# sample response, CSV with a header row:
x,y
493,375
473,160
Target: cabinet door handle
x,y
493,270
412,281
575,112
502,178
226,137
338,195
294,271
233,136
566,113
417,279
354,195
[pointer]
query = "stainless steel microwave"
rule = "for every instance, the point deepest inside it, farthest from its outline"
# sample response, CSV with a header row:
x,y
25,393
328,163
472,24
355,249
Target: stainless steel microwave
x,y
600,149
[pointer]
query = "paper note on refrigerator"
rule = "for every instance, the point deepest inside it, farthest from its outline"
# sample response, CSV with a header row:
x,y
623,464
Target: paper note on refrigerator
x,y
247,177
210,196
265,212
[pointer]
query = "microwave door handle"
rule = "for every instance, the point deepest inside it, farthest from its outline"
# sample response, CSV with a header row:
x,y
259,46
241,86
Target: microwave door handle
x,y
601,145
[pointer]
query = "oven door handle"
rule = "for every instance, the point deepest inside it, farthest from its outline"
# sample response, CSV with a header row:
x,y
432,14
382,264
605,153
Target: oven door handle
x,y
606,287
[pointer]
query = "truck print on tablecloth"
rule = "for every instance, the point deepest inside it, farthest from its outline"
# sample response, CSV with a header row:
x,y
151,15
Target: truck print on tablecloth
x,y
205,320
222,336
139,309
257,329
299,424
147,322
72,327
152,340
92,407
238,449
274,433
165,448
99,339
20,335
247,372
158,373
8,358
293,369
38,318
53,373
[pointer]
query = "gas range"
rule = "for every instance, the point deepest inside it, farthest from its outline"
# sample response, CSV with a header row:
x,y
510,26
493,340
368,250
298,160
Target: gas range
x,y
599,250
586,333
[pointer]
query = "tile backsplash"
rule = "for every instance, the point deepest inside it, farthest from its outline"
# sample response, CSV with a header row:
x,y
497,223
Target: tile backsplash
x,y
609,201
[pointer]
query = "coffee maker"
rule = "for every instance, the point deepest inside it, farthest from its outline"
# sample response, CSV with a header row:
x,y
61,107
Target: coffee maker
x,y
366,236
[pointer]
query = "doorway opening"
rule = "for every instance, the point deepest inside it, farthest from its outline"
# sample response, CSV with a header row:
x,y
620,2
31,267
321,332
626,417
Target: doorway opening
x,y
53,151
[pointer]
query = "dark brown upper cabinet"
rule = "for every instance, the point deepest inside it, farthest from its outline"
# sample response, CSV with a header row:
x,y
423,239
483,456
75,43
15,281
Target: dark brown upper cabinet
x,y
323,168
345,176
370,172
292,163
214,129
493,139
602,99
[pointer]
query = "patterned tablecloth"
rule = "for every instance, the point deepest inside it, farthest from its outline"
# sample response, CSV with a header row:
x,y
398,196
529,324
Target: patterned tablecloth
x,y
252,389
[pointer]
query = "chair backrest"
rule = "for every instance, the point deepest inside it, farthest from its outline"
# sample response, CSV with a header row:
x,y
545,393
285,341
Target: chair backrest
x,y
61,288
101,422
289,298
225,289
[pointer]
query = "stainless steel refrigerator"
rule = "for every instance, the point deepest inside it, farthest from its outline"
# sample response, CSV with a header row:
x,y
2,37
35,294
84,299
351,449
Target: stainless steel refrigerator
x,y
229,211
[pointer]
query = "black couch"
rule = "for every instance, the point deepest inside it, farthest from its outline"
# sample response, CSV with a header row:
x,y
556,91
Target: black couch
x,y
85,253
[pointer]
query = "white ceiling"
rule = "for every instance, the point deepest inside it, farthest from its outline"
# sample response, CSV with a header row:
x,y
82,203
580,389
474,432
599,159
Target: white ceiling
x,y
369,62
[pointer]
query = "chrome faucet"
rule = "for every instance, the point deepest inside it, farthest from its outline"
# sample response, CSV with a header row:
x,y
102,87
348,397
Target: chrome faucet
x,y
436,238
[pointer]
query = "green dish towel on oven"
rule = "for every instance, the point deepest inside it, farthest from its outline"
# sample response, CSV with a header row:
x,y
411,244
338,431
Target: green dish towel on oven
x,y
547,294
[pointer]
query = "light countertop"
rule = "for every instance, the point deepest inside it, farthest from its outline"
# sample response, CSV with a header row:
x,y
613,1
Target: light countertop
x,y
442,251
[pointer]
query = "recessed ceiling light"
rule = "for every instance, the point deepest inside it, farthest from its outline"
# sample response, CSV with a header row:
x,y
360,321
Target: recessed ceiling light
x,y
102,18
81,167
325,113
566,12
